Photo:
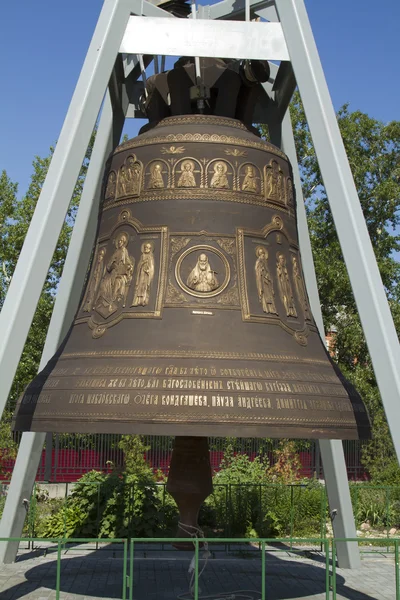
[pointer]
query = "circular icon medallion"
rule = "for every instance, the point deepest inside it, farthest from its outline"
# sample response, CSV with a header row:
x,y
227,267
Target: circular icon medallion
x,y
202,271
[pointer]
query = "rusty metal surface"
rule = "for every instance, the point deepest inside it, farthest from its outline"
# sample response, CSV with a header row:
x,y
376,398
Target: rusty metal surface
x,y
195,319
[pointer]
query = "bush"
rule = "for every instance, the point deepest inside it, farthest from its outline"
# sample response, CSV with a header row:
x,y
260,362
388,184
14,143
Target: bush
x,y
119,504
379,506
294,510
234,506
244,502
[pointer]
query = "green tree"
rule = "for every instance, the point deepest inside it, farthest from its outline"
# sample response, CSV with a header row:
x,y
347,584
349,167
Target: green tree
x,y
15,217
373,150
8,203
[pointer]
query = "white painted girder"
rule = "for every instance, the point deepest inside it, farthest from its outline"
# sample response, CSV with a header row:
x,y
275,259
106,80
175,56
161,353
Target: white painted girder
x,y
200,37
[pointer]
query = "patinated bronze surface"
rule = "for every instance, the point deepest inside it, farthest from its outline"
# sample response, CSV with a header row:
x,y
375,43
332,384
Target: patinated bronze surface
x,y
195,318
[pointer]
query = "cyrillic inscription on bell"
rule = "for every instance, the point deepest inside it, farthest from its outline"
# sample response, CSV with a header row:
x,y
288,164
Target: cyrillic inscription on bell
x,y
195,319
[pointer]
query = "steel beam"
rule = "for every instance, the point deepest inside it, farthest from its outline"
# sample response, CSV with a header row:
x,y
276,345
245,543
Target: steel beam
x,y
331,451
36,254
332,454
203,38
351,228
66,305
235,9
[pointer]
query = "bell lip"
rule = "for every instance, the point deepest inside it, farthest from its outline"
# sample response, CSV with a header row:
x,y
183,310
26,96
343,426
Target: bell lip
x,y
26,423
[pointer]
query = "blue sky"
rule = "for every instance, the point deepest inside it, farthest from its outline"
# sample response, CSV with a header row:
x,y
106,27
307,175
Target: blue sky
x,y
43,45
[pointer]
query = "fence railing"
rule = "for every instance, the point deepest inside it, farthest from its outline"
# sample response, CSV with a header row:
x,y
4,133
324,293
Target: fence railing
x,y
69,456
287,511
128,558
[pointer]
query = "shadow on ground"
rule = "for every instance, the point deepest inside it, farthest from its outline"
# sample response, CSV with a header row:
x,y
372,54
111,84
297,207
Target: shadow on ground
x,y
163,575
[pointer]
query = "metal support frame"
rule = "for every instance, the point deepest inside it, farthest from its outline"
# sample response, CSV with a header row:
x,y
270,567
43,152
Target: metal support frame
x,y
331,451
29,275
67,302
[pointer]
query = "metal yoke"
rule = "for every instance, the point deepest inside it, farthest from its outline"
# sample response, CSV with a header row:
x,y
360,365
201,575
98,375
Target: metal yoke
x,y
19,307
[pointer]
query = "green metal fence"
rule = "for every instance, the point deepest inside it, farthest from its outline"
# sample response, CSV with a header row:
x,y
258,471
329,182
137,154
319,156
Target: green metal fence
x,y
302,508
128,555
231,504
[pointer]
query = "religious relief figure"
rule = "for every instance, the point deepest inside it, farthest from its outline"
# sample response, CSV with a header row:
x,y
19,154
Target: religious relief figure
x,y
122,182
202,278
281,187
111,186
300,288
219,179
187,178
265,285
289,191
134,173
95,280
116,279
272,181
285,286
156,176
250,183
144,276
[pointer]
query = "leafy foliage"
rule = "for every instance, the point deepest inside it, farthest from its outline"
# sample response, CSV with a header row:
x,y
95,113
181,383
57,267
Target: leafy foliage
x,y
287,464
380,507
244,503
373,149
120,504
15,217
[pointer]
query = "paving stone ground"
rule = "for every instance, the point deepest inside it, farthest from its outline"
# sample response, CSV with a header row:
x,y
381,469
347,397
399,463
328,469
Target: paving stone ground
x,y
162,574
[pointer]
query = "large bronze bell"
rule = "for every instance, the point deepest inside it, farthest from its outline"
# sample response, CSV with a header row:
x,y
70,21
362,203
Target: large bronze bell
x,y
195,319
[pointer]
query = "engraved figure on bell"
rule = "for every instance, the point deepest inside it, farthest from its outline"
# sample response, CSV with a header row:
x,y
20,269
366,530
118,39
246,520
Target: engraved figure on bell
x,y
285,286
95,280
272,180
133,178
111,185
289,192
144,276
250,183
202,278
281,187
156,176
265,285
300,288
219,179
116,279
187,178
122,182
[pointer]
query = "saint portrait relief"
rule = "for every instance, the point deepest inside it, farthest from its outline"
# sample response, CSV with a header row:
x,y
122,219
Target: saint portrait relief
x,y
289,192
300,288
187,178
116,279
265,284
111,186
156,176
144,276
281,187
122,182
202,278
285,287
272,180
95,281
133,176
219,179
250,183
